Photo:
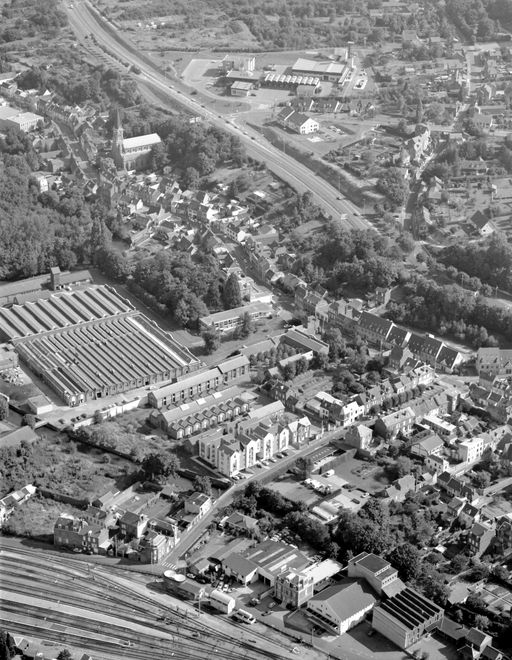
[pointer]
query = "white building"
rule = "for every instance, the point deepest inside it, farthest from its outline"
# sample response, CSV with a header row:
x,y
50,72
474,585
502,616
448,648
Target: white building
x,y
341,607
471,450
494,361
252,443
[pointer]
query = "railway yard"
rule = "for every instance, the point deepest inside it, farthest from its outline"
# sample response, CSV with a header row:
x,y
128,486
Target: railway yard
x,y
72,603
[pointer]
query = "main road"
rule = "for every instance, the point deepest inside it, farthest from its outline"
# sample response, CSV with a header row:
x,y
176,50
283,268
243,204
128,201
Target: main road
x,y
86,21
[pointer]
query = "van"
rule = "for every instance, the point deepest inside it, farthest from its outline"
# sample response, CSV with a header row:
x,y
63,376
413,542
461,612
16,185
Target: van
x,y
244,617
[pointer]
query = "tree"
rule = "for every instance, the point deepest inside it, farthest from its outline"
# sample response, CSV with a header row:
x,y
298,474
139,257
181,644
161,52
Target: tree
x,y
7,646
231,294
289,371
246,326
459,563
64,655
403,466
211,338
482,479
304,467
4,407
160,465
203,484
406,559
392,184
337,345
481,622
29,420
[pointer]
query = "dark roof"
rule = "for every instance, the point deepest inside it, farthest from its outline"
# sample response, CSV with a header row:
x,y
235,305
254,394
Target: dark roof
x,y
452,629
410,609
373,563
375,323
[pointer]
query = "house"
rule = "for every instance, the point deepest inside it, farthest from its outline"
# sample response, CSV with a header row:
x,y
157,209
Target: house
x,y
494,361
14,499
471,450
74,532
480,536
406,617
199,504
401,421
479,645
240,568
359,436
503,539
398,490
342,606
132,525
374,328
429,445
297,122
483,225
294,588
241,524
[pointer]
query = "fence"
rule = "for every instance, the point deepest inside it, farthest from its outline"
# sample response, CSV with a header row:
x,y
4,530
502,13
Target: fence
x,y
80,503
337,460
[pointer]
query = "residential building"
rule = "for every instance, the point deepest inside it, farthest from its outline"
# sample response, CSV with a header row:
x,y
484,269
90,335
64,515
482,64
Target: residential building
x,y
199,504
132,525
9,503
479,647
238,523
359,436
406,617
471,450
294,588
503,540
494,361
401,421
342,606
200,415
427,444
480,537
297,122
374,328
74,532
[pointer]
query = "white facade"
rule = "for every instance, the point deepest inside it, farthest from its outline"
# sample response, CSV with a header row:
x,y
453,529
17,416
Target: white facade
x,y
471,450
230,454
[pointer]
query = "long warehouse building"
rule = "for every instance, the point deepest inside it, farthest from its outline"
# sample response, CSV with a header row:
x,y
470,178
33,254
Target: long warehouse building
x,y
92,343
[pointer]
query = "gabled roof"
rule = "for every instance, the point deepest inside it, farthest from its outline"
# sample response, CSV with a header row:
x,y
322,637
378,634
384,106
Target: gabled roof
x,y
346,599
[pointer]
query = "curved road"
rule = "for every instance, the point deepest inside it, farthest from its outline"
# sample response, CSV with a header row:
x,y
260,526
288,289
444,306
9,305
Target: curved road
x,y
85,20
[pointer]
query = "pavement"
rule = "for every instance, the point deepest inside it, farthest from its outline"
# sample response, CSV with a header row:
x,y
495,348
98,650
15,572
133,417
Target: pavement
x,y
191,537
84,21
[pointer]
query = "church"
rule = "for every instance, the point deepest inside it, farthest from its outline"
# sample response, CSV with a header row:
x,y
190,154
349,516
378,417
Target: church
x,y
131,153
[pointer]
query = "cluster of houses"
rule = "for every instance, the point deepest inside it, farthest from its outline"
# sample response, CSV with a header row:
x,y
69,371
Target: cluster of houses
x,y
139,524
264,435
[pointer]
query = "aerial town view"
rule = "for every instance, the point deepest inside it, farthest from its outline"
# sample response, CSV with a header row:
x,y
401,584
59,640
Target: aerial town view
x,y
256,329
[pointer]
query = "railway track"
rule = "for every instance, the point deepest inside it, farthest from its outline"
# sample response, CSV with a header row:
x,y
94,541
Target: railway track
x,y
49,580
